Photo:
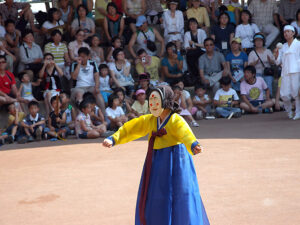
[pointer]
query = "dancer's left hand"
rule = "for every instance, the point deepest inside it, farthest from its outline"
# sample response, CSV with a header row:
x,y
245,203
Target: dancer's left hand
x,y
198,149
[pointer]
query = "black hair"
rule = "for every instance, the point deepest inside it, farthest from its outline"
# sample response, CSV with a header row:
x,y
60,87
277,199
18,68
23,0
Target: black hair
x,y
208,39
115,38
202,86
102,66
248,13
116,52
250,69
79,30
176,87
83,50
264,39
64,93
89,97
119,90
141,51
33,103
50,14
223,8
84,7
3,57
8,21
54,32
54,99
47,54
26,32
111,4
221,14
192,20
225,81
169,1
170,45
83,104
92,37
21,75
111,99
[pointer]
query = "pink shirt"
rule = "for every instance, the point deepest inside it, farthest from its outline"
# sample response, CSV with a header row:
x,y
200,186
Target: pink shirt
x,y
254,91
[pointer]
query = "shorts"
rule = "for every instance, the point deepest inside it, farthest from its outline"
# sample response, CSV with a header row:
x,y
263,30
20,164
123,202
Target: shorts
x,y
255,103
105,95
83,135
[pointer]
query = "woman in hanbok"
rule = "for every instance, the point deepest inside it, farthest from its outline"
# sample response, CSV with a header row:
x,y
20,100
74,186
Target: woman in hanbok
x,y
289,58
168,192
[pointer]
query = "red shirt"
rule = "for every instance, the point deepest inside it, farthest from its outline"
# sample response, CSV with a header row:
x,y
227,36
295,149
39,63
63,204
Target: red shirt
x,y
6,82
119,5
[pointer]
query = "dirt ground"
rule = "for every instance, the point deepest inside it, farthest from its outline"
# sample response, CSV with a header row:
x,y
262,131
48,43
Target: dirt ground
x,y
248,175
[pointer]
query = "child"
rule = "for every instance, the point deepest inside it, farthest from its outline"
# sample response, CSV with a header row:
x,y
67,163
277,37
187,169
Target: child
x,y
116,43
96,114
12,36
201,102
115,113
225,99
57,120
180,99
169,192
33,124
84,126
97,54
70,112
186,94
105,82
124,103
140,106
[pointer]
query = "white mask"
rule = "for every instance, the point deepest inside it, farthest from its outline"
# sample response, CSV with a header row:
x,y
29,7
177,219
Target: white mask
x,y
155,104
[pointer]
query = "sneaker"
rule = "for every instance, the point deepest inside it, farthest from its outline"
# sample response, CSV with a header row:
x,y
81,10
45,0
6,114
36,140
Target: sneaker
x,y
38,135
296,117
231,115
199,115
290,115
22,140
194,124
209,117
30,139
107,133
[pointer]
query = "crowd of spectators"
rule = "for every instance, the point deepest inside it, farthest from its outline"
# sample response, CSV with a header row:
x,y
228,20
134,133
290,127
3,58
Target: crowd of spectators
x,y
93,66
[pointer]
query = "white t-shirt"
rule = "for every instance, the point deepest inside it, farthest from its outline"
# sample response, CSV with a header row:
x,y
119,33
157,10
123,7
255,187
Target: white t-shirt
x,y
246,33
86,74
114,113
104,83
86,119
187,94
48,25
120,76
226,95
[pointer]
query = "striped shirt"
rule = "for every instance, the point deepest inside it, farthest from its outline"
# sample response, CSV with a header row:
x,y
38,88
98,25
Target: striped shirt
x,y
57,51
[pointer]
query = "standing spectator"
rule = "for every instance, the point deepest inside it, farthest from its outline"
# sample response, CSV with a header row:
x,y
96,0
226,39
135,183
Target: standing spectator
x,y
52,23
173,23
83,22
200,14
246,30
264,14
288,57
262,58
252,92
172,64
113,22
12,37
222,33
296,23
88,5
66,13
97,53
145,38
287,10
75,45
100,12
133,9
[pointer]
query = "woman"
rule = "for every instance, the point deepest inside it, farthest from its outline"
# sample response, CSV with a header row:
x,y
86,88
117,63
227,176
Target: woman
x,y
88,4
200,14
246,30
120,72
54,22
262,58
113,22
97,53
296,23
133,9
83,22
172,64
77,44
288,57
193,42
66,12
223,33
173,23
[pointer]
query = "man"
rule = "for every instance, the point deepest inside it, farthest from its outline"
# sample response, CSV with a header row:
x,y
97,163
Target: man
x,y
86,74
143,34
264,13
210,66
9,10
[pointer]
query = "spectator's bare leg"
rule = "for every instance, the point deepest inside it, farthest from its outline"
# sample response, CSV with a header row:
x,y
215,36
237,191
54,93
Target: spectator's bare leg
x,y
267,104
93,134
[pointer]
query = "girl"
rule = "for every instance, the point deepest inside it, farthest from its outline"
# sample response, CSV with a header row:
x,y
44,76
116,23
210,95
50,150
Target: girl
x,y
54,22
115,43
97,54
169,192
75,45
125,103
105,82
115,113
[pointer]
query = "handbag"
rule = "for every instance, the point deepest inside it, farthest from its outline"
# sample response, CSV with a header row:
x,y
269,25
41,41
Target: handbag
x,y
150,44
268,71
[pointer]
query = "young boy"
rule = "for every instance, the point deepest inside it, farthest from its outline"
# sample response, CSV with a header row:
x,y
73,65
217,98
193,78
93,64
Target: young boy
x,y
84,126
96,115
57,119
25,90
70,112
140,106
225,99
105,82
202,103
33,124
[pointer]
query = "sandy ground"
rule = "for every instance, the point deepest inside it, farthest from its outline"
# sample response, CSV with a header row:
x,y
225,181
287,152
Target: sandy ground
x,y
248,175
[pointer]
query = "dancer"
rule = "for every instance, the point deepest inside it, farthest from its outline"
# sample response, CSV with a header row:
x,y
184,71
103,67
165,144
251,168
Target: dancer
x,y
168,192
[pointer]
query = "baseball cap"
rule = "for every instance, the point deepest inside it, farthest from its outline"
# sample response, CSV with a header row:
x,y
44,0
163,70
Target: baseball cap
x,y
140,21
237,40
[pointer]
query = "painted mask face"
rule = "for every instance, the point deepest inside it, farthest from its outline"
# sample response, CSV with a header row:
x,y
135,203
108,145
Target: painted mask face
x,y
155,104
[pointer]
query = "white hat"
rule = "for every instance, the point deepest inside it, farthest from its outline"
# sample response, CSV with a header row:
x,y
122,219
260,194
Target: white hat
x,y
289,27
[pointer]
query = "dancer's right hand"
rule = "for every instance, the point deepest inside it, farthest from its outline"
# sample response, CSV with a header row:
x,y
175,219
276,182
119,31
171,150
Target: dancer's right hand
x,y
107,143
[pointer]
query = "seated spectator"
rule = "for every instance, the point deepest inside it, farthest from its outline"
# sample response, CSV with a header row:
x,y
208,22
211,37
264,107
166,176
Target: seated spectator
x,y
133,9
252,93
8,89
144,83
10,58
100,12
226,99
210,66
105,82
85,73
193,44
262,58
52,23
172,64
246,30
115,43
50,75
115,113
33,124
222,33
12,37
154,11
140,105
200,14
113,22
125,103
202,103
187,96
84,126
145,38
2,29
235,7
287,10
70,112
264,14
173,23
120,72
211,6
180,100
148,64
75,45
224,9
83,23
31,55
10,10
236,61
87,4
97,53
25,89
57,120
66,13
296,23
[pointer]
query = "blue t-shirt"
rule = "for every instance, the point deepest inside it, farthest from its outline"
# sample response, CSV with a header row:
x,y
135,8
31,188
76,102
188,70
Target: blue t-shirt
x,y
172,69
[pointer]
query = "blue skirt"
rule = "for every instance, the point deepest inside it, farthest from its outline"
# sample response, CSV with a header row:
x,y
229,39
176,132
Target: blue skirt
x,y
173,193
